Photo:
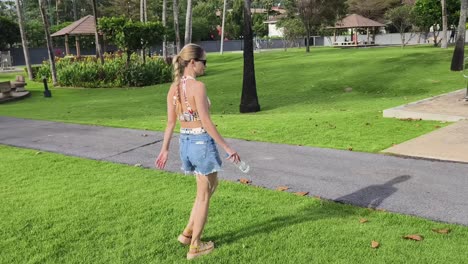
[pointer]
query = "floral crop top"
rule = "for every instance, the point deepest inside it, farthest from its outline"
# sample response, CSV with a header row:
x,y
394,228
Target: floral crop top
x,y
188,115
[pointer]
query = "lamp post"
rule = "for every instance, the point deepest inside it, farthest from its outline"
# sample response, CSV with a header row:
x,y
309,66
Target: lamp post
x,y
47,92
242,42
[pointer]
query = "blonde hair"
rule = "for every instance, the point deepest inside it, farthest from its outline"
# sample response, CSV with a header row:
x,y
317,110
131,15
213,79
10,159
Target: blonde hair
x,y
181,60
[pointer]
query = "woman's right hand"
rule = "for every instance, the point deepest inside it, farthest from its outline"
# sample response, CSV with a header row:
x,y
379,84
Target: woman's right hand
x,y
232,155
162,159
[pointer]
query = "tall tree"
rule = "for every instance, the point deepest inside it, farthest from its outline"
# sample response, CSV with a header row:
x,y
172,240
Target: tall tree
x,y
188,23
96,33
143,19
444,24
459,52
249,99
7,9
401,19
175,9
9,32
373,9
428,15
45,21
24,39
314,13
164,11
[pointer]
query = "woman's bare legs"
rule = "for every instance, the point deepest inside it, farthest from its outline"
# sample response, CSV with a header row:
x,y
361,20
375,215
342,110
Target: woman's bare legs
x,y
206,185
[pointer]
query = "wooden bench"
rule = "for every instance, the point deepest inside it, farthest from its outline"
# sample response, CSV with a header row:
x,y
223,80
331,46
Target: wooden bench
x,y
5,89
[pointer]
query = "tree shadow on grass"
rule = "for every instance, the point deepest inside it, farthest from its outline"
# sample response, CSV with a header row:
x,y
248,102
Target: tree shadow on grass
x,y
370,196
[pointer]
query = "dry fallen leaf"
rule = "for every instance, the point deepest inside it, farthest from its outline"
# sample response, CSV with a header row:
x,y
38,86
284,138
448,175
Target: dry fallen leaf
x,y
144,135
375,244
282,188
317,197
301,193
245,181
363,220
441,231
414,237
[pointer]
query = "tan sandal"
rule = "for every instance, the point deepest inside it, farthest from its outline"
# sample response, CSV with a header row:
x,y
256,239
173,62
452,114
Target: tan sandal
x,y
200,250
184,240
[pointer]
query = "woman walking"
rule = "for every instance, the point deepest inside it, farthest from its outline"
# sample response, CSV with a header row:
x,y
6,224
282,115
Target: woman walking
x,y
187,101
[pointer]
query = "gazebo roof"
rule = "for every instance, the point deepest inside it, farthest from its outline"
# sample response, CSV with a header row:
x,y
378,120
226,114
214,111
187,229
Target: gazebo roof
x,y
357,21
84,26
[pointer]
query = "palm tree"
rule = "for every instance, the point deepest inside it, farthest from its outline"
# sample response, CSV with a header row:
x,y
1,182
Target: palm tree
x,y
444,24
459,52
24,40
249,99
164,11
188,23
175,10
45,21
143,19
96,34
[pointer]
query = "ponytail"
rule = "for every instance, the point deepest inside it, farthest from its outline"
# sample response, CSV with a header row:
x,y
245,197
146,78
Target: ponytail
x,y
178,69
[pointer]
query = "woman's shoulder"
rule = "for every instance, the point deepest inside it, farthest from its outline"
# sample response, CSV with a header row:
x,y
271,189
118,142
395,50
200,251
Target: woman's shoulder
x,y
198,85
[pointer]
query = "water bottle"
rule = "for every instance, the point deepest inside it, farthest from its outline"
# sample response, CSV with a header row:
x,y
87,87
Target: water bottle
x,y
242,165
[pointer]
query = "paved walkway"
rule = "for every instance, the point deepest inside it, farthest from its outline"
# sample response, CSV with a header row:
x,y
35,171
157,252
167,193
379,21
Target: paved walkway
x,y
448,143
431,189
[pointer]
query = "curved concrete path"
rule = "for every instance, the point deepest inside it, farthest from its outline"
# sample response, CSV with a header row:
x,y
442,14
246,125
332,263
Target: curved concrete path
x,y
432,189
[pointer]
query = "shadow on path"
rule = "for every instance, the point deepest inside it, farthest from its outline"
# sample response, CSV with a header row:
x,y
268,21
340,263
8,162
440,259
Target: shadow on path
x,y
372,196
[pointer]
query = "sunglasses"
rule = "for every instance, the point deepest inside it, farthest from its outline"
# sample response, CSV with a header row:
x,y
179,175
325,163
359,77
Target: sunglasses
x,y
202,61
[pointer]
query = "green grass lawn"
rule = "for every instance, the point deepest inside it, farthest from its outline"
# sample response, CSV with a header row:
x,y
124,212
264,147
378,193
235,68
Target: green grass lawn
x,y
59,209
301,95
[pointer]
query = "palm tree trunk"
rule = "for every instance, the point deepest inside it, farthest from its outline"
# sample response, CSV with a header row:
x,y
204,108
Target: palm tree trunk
x,y
145,9
249,98
53,70
444,24
188,23
24,40
221,50
176,24
459,52
77,38
164,47
96,34
142,19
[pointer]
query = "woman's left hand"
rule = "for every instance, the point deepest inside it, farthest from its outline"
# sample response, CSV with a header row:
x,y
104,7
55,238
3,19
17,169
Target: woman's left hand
x,y
162,159
232,155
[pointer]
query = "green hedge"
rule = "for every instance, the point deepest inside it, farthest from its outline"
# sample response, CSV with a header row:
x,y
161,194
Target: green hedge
x,y
88,72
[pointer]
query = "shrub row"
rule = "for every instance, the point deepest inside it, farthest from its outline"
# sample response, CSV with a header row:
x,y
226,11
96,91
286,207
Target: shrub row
x,y
88,72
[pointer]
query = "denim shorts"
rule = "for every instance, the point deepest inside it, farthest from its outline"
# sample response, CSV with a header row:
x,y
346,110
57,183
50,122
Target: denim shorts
x,y
199,154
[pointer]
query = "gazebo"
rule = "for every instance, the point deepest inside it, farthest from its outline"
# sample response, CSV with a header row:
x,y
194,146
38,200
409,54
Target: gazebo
x,y
355,22
84,26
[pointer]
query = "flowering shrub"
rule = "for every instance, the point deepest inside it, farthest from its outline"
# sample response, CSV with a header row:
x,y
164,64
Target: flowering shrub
x,y
90,73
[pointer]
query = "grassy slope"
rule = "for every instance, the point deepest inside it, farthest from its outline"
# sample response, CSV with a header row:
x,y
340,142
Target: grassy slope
x,y
58,209
301,96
